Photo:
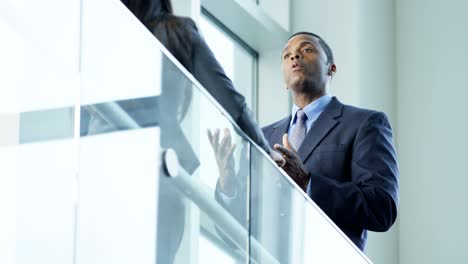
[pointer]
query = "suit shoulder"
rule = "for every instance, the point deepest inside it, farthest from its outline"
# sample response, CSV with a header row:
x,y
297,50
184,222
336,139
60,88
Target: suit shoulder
x,y
360,113
273,125
364,116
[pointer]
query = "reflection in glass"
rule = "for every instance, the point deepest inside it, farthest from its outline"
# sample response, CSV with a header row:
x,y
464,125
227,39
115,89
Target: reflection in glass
x,y
120,115
120,152
43,125
192,198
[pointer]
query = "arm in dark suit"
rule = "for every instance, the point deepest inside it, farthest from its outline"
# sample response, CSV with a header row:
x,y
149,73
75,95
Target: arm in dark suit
x,y
210,74
370,200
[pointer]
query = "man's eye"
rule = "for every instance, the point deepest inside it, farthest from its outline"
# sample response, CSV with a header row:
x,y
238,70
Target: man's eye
x,y
308,50
286,56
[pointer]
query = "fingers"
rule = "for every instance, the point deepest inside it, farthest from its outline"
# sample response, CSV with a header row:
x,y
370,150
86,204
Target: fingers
x,y
213,138
226,141
291,151
286,142
229,154
286,153
227,133
216,135
223,148
276,156
210,136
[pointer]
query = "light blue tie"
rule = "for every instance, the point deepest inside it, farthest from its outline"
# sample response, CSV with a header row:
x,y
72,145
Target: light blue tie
x,y
298,132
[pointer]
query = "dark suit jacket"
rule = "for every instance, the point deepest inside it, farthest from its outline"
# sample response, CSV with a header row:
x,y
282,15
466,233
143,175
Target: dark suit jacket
x,y
206,69
352,161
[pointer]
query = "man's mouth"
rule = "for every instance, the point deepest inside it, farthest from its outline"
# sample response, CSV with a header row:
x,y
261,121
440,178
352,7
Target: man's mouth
x,y
296,67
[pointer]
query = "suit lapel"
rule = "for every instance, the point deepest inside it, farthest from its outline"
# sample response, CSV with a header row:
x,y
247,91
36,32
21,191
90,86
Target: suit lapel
x,y
279,129
321,127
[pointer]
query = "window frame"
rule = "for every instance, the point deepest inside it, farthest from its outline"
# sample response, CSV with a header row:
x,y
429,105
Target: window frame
x,y
252,52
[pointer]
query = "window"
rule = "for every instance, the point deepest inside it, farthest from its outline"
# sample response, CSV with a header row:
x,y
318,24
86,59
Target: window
x,y
237,59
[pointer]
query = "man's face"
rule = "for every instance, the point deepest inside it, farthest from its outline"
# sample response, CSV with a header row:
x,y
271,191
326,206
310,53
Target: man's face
x,y
304,64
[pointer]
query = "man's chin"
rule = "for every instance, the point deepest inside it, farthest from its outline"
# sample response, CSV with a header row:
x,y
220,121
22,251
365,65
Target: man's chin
x,y
297,84
296,81
300,86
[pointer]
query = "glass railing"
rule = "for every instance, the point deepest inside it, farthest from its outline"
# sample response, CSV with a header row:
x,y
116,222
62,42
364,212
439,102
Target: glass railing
x,y
120,166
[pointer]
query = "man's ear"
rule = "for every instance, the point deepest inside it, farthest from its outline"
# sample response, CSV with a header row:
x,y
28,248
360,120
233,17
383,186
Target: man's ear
x,y
332,70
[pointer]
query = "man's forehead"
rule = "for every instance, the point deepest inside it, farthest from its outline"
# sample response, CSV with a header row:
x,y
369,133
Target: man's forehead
x,y
299,38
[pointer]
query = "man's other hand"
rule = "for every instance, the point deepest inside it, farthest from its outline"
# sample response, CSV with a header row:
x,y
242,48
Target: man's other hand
x,y
293,165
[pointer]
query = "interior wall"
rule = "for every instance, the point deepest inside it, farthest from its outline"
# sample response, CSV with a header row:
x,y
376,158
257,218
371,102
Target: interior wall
x,y
336,21
273,103
432,59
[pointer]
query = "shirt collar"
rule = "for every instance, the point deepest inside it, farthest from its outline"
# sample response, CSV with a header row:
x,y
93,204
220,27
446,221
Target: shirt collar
x,y
312,110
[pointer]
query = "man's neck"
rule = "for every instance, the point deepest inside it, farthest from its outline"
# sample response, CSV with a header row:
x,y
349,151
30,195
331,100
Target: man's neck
x,y
302,100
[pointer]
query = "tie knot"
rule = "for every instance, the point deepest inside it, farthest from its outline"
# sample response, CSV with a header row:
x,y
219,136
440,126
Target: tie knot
x,y
301,116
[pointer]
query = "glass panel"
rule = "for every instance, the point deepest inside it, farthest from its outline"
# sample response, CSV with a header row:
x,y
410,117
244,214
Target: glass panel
x,y
291,227
39,55
118,195
38,171
118,154
45,199
39,65
194,225
120,57
119,143
122,104
238,63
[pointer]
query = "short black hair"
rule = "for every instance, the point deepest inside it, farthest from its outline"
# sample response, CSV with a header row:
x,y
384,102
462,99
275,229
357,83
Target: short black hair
x,y
322,42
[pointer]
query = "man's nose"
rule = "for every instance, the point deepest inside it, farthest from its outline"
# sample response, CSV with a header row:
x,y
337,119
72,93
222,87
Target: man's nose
x,y
295,56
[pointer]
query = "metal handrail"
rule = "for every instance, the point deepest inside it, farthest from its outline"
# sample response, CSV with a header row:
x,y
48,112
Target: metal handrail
x,y
194,190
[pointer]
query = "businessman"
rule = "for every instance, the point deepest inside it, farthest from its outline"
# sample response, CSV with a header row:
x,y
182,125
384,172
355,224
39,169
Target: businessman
x,y
342,156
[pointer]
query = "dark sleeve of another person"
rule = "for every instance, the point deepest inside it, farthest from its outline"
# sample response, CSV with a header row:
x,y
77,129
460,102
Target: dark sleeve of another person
x,y
210,74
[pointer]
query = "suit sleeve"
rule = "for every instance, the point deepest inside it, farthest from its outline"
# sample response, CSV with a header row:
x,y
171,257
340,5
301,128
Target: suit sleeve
x,y
370,200
210,74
